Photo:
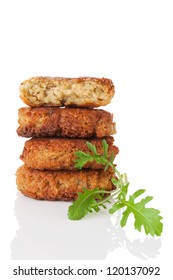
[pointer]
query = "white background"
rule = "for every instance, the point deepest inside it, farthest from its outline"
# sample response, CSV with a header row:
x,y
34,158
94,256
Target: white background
x,y
130,42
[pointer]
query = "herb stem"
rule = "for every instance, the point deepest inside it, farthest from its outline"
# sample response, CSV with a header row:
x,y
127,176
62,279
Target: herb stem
x,y
113,193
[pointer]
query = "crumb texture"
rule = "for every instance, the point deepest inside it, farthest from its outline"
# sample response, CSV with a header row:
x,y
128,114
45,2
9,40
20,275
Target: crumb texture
x,y
60,185
59,153
80,92
65,122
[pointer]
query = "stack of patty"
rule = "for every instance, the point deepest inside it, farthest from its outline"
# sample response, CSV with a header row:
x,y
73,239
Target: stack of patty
x,y
60,119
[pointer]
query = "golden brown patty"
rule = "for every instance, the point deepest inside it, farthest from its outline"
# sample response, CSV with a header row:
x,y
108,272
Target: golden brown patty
x,y
60,185
64,122
59,153
56,91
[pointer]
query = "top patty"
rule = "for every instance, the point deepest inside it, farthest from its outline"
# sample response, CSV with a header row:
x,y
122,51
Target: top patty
x,y
56,91
64,122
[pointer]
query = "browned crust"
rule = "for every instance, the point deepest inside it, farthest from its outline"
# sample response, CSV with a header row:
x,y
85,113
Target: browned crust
x,y
64,122
59,153
60,185
58,91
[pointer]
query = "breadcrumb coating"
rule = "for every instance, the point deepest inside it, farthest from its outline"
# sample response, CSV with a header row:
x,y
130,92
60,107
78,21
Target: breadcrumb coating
x,y
60,185
59,153
65,122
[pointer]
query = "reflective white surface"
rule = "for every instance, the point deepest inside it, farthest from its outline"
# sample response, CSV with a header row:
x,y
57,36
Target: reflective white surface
x,y
46,233
131,43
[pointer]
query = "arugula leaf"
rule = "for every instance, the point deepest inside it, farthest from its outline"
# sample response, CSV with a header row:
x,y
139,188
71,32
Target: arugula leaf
x,y
90,200
105,149
82,159
85,203
147,217
92,148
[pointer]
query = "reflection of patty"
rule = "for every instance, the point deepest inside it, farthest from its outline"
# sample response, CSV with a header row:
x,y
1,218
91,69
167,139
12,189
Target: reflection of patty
x,y
59,153
64,122
81,92
60,185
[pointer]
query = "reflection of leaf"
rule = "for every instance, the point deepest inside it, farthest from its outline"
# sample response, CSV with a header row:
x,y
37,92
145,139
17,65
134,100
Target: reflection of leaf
x,y
148,248
143,249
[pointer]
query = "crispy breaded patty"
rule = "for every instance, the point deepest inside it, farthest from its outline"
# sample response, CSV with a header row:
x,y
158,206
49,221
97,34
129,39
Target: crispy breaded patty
x,y
59,153
64,122
56,91
60,185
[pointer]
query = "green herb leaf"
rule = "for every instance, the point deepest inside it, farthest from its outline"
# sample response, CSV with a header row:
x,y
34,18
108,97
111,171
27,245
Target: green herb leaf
x,y
85,203
92,148
147,217
82,159
105,148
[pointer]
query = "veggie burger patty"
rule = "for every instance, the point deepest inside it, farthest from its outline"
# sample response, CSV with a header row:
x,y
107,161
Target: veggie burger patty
x,y
60,185
64,122
59,153
56,91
